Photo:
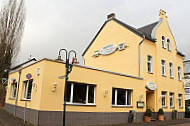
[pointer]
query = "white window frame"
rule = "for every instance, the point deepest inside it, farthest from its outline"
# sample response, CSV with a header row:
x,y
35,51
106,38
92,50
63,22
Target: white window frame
x,y
126,92
169,44
163,96
87,89
13,90
187,88
25,90
172,97
163,65
163,42
180,100
171,70
179,74
151,64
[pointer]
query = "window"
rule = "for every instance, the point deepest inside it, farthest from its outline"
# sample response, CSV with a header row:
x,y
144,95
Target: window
x,y
13,90
78,93
163,96
169,44
27,90
171,69
187,91
171,99
163,42
163,62
121,97
179,73
180,100
149,64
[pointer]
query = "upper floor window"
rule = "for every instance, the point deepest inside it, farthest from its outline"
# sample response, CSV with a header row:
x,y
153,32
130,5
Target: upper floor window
x,y
150,64
171,69
171,99
13,90
179,73
169,44
163,63
163,42
121,97
27,90
78,93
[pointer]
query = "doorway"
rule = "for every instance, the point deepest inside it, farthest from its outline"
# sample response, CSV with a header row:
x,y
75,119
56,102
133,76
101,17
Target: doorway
x,y
150,100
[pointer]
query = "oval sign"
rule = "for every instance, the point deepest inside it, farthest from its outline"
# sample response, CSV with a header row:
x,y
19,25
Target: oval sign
x,y
108,49
29,76
151,86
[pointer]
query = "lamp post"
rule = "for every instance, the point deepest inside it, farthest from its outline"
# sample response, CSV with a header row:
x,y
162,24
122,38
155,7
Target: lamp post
x,y
68,70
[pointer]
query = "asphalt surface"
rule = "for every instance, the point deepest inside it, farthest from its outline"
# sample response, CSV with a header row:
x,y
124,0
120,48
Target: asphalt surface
x,y
7,119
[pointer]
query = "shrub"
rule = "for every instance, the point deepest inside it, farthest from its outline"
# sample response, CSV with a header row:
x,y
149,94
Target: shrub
x,y
160,111
148,113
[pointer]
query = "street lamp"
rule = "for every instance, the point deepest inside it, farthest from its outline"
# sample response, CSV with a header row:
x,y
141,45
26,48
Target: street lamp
x,y
68,70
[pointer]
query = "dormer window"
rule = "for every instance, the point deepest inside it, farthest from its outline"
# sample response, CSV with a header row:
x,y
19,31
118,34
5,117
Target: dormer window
x,y
163,42
169,44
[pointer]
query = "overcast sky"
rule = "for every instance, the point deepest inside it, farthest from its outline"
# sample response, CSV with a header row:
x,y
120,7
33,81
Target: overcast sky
x,y
72,24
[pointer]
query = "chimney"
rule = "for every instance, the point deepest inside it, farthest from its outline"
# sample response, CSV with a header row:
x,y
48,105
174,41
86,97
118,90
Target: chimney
x,y
112,15
162,14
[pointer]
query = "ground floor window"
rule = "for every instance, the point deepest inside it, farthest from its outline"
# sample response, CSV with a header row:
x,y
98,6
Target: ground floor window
x,y
27,89
180,100
121,97
163,96
171,99
78,93
13,90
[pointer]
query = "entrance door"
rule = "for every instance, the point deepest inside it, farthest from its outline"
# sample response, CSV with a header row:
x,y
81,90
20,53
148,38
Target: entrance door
x,y
150,100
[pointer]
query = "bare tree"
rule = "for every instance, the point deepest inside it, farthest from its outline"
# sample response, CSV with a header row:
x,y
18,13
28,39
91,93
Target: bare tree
x,y
12,19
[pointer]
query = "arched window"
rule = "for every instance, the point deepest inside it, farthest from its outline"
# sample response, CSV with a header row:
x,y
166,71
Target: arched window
x,y
163,42
169,44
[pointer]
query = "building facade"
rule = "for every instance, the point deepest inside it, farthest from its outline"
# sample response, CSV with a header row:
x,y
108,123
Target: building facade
x,y
186,66
124,69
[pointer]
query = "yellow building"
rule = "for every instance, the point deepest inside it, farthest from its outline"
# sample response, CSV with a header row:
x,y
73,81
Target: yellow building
x,y
124,69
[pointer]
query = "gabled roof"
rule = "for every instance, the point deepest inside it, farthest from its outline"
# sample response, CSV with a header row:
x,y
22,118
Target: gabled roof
x,y
132,29
147,30
142,31
13,68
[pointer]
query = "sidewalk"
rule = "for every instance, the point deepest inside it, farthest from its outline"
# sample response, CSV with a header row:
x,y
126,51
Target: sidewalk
x,y
177,122
7,119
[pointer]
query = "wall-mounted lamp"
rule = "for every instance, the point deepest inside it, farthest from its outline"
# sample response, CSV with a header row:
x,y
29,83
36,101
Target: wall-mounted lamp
x,y
106,92
54,86
141,96
38,71
34,86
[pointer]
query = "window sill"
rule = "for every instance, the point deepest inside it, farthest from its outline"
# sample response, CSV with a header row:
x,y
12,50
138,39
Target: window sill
x,y
25,99
122,106
12,98
171,77
180,107
164,106
171,107
180,80
150,72
164,75
79,104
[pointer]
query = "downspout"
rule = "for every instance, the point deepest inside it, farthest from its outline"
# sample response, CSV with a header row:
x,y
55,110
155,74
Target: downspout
x,y
17,92
139,57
